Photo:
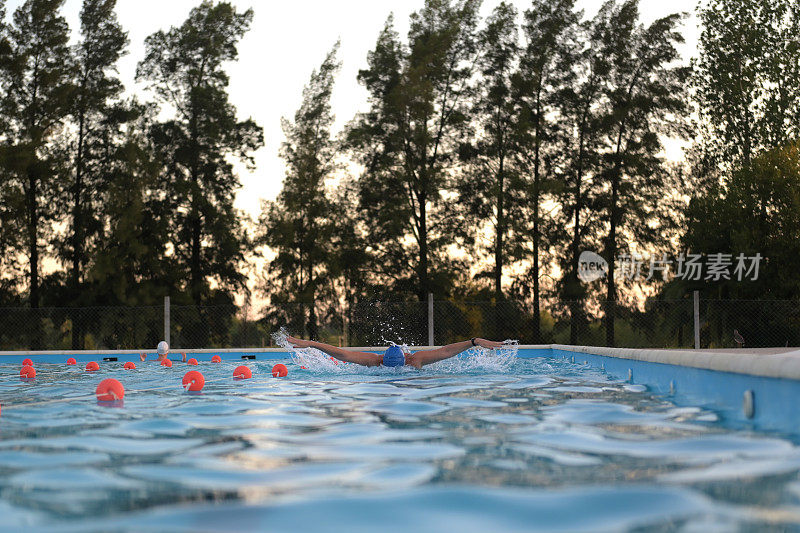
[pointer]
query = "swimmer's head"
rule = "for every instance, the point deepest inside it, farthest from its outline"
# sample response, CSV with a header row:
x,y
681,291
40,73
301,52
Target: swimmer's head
x,y
393,356
163,348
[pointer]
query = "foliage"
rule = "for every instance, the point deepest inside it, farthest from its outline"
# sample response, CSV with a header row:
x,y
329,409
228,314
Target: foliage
x,y
184,68
300,225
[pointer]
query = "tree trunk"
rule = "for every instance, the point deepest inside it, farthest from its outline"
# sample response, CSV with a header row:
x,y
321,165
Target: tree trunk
x,y
33,236
537,332
77,235
422,270
195,274
573,284
611,252
500,233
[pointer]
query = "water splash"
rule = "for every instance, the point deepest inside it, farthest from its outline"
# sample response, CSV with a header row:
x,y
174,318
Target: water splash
x,y
279,337
478,358
499,360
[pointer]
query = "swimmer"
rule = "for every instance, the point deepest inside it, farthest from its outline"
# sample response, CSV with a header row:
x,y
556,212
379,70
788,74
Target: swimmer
x,y
394,356
162,352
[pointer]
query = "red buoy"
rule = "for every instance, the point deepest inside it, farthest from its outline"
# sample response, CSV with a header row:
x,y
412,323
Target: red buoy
x,y
72,361
192,362
193,381
110,390
279,371
166,362
91,366
27,362
129,364
242,372
216,359
27,372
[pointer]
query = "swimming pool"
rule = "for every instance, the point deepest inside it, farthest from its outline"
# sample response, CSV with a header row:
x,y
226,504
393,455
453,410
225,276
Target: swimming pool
x,y
478,443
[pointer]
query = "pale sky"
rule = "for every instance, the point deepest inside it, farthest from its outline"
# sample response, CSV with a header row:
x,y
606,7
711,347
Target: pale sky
x,y
289,39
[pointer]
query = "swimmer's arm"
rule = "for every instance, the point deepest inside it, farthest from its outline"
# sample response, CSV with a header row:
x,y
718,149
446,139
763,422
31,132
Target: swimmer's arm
x,y
348,356
426,357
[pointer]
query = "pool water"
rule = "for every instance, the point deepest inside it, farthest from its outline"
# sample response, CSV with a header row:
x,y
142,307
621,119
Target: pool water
x,y
479,443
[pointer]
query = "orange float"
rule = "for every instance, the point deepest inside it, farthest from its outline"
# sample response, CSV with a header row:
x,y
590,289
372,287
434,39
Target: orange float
x,y
242,372
193,381
109,390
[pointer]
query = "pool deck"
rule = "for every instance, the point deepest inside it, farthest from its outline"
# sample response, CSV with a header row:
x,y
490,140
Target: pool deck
x,y
766,362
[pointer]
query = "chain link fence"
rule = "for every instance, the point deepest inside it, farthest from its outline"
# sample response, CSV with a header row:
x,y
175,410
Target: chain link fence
x,y
652,323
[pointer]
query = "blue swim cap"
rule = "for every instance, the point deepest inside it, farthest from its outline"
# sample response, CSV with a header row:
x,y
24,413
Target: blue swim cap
x,y
393,356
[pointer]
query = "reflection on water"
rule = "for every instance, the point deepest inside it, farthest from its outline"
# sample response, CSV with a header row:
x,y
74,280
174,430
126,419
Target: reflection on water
x,y
477,444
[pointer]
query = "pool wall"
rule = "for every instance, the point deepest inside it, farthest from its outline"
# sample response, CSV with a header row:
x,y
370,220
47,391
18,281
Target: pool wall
x,y
747,390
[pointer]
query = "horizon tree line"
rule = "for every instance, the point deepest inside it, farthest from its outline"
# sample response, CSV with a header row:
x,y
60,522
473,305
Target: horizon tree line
x,y
491,154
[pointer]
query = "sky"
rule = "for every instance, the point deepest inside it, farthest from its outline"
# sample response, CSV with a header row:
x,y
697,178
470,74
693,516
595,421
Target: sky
x,y
287,40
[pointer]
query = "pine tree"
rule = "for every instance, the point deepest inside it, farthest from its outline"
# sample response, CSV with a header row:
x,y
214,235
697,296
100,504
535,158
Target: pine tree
x,y
408,141
35,77
8,235
578,104
130,265
98,116
645,100
299,225
184,67
546,69
490,187
747,78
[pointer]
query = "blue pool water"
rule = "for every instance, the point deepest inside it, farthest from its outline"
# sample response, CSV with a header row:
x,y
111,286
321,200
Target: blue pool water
x,y
480,443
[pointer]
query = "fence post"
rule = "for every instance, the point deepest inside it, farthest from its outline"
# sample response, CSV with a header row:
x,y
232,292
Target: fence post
x,y
696,320
430,319
166,319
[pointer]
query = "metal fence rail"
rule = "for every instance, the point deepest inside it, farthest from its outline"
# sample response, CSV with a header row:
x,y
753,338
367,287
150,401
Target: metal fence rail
x,y
652,323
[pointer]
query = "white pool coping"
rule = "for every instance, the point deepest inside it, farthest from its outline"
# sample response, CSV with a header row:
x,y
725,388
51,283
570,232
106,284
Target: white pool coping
x,y
766,362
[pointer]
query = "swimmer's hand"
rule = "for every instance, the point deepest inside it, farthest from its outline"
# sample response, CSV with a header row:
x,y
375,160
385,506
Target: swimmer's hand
x,y
483,343
298,343
142,356
183,358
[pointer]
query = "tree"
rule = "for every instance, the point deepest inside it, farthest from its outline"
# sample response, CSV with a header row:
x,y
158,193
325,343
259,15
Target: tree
x,y
35,76
98,116
184,68
644,100
747,78
419,98
299,225
547,68
130,265
577,103
755,212
8,240
490,188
